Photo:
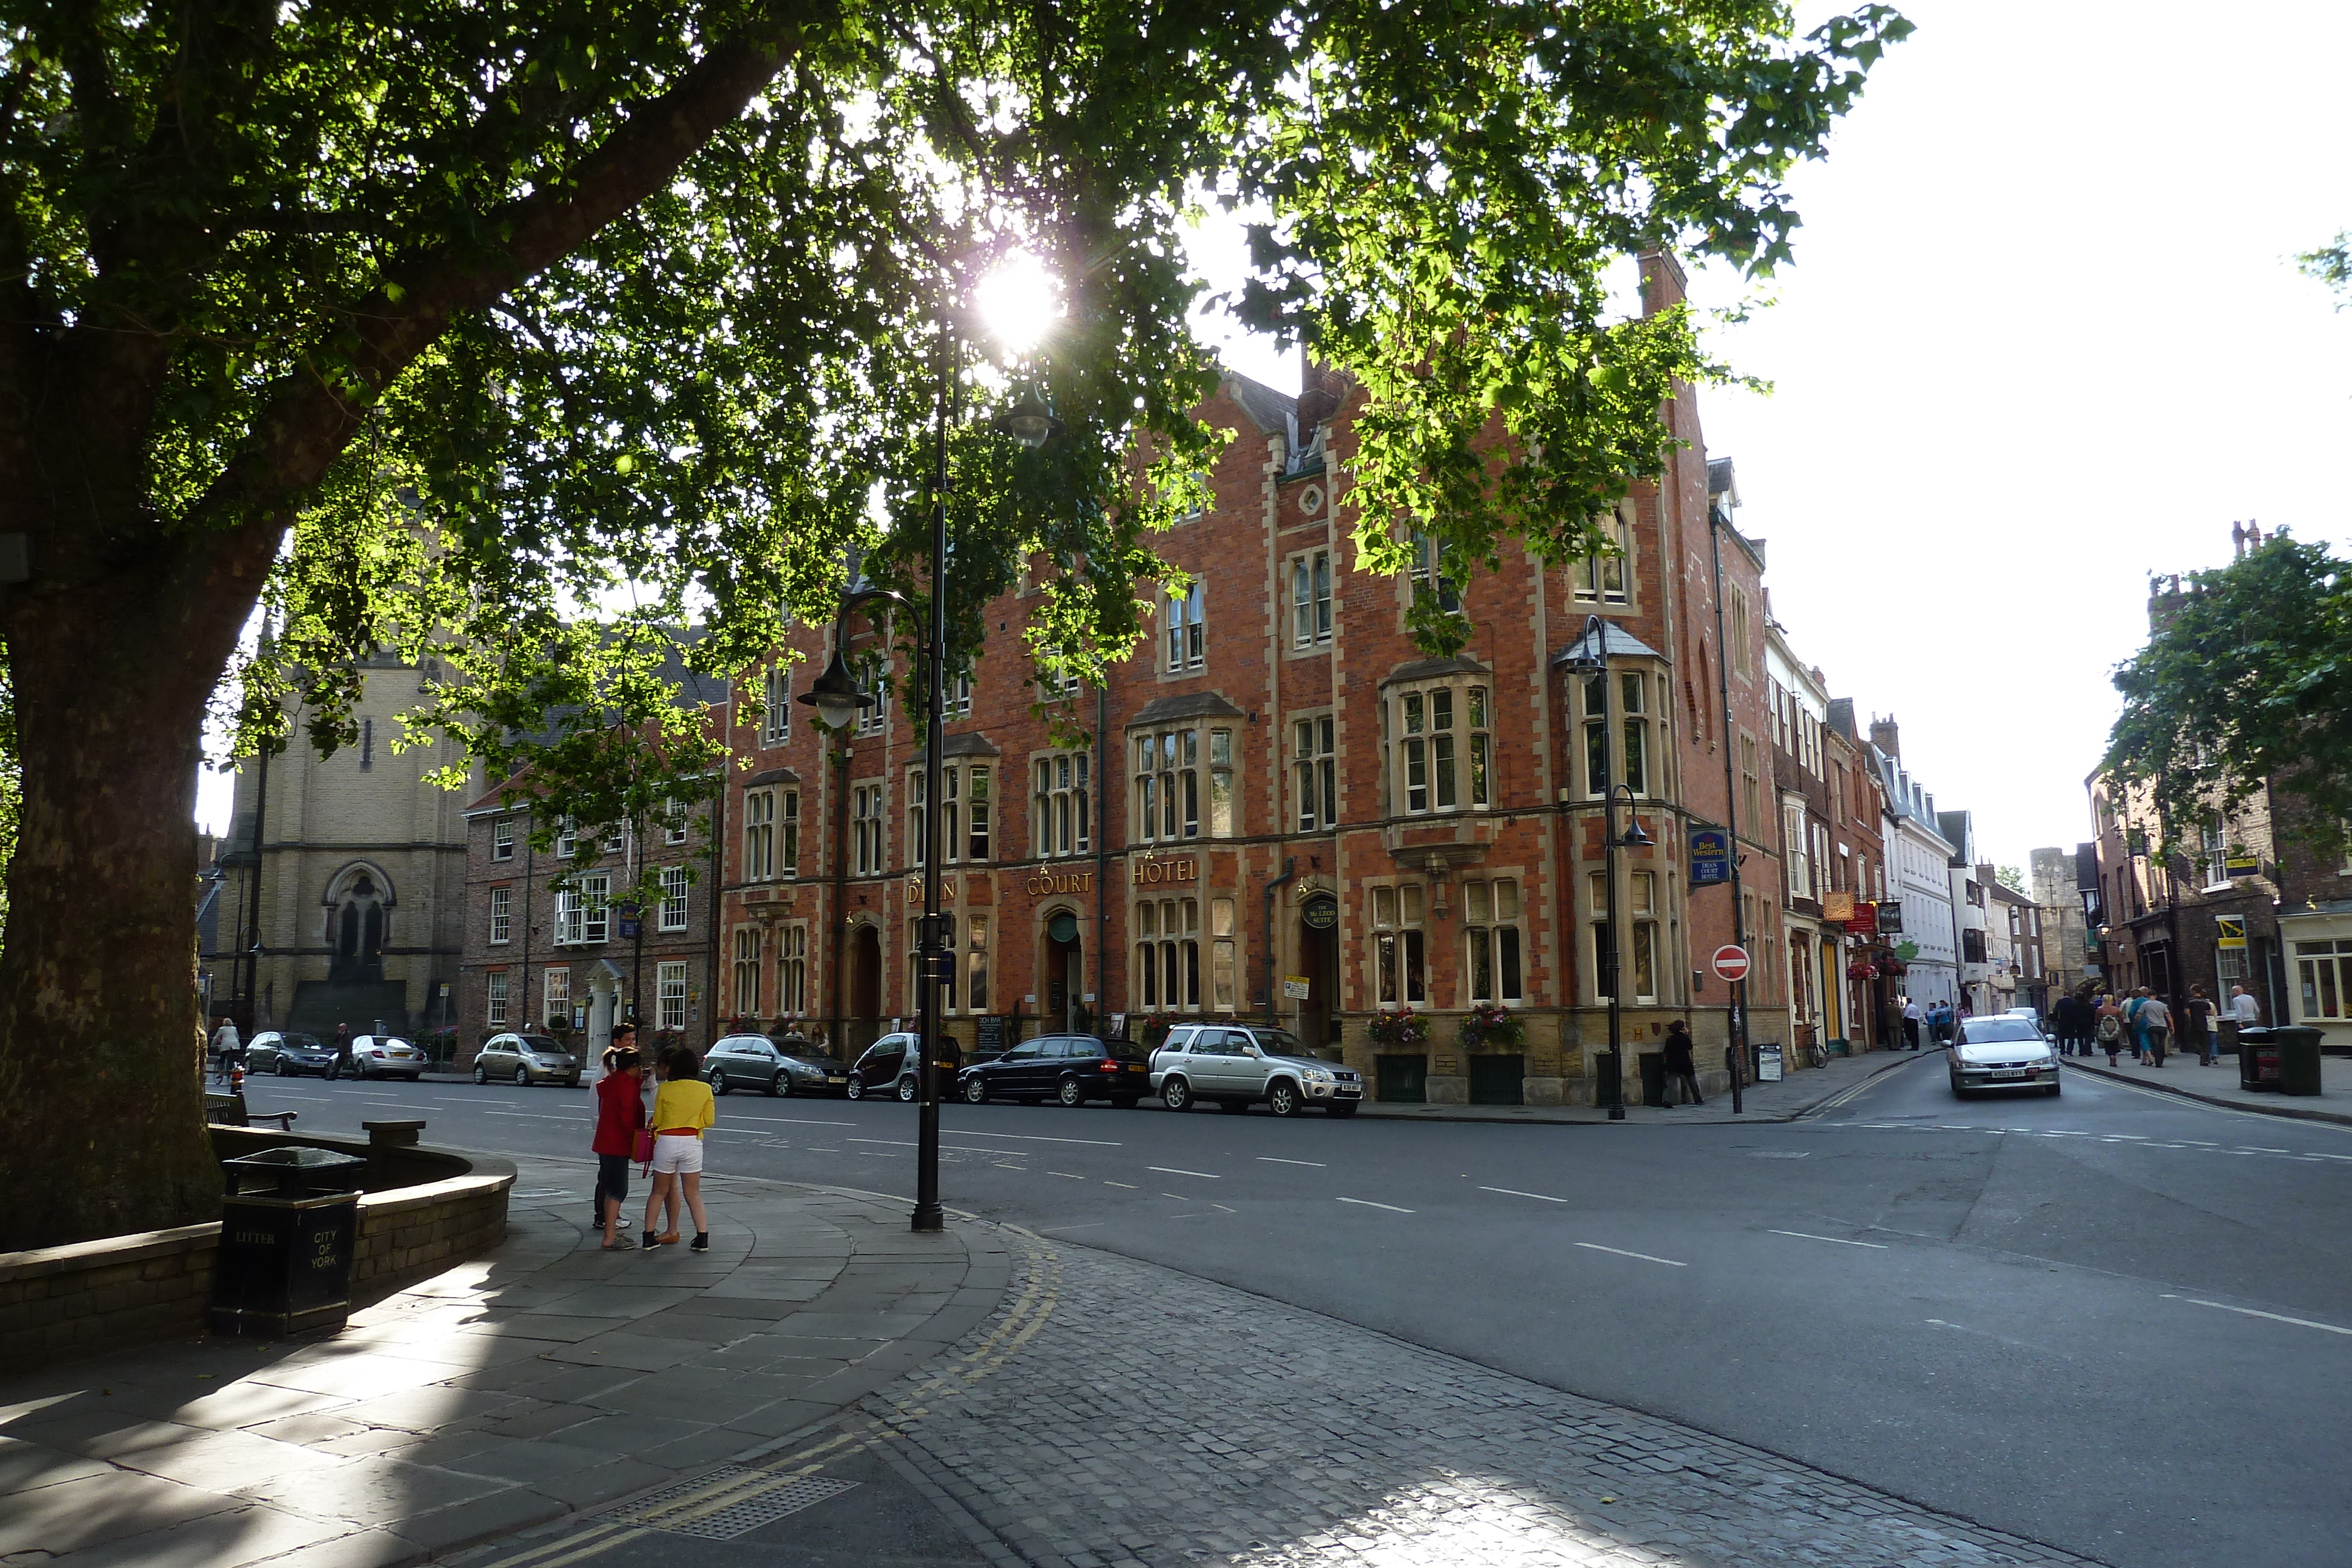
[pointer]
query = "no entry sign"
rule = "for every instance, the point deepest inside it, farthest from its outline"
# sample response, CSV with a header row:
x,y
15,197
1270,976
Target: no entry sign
x,y
1731,962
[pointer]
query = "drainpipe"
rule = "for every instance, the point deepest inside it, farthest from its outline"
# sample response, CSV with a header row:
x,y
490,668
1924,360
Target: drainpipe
x,y
1737,1058
1289,870
1102,864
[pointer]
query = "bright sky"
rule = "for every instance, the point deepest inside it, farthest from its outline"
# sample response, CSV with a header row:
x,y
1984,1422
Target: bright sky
x,y
2043,336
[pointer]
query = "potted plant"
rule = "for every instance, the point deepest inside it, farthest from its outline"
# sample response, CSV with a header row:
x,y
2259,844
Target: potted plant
x,y
1492,1025
1862,969
1401,1028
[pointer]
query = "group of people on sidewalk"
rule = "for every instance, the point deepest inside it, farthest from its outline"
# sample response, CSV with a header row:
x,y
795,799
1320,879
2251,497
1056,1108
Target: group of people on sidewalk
x,y
664,1140
1937,1019
2143,1022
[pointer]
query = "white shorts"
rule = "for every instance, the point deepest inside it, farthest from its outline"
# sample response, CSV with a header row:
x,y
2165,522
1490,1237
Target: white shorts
x,y
678,1153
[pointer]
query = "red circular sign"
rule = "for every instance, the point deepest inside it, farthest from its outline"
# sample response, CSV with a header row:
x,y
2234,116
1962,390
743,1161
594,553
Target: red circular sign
x,y
1731,962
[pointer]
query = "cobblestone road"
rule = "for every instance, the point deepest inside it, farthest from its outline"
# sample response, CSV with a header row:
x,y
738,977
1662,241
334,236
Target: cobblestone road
x,y
1148,1419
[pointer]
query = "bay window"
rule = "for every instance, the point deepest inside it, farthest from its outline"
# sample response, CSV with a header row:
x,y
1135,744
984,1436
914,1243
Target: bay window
x,y
1168,785
1444,756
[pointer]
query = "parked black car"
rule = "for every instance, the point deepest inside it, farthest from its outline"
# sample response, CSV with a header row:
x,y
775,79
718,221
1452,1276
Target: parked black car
x,y
777,1067
1070,1067
289,1054
886,1068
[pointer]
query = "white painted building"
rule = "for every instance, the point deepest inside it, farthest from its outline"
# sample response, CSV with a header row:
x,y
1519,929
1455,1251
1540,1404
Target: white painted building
x,y
1919,875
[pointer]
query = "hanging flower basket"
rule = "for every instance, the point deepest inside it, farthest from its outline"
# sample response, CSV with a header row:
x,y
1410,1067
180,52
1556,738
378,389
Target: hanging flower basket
x,y
1398,1028
1861,971
1894,966
1492,1026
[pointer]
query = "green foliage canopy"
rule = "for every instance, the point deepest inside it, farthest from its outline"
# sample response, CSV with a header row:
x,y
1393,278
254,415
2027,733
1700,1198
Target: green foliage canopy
x,y
2245,683
518,337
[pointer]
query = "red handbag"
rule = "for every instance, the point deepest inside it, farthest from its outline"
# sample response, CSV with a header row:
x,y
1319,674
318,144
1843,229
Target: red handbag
x,y
640,1147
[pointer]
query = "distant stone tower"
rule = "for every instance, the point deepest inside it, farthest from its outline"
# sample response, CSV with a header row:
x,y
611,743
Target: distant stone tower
x,y
350,906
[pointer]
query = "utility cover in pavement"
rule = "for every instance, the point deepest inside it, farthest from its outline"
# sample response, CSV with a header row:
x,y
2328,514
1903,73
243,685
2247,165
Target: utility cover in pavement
x,y
725,1503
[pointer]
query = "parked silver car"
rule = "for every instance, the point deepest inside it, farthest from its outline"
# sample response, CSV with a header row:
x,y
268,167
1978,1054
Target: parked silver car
x,y
1239,1065
383,1056
2002,1052
527,1059
786,1067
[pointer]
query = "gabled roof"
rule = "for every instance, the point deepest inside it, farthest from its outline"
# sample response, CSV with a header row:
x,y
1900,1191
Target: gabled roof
x,y
1272,412
1431,669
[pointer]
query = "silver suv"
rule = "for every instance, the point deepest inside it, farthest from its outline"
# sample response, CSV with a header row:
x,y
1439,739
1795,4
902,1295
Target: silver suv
x,y
1238,1065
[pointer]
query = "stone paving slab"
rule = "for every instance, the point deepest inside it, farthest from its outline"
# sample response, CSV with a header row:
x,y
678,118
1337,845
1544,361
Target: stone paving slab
x,y
1261,1436
510,1392
2217,1085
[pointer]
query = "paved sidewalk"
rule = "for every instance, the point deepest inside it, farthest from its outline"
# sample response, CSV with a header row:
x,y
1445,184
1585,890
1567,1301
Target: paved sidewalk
x,y
544,1378
2217,1085
1801,1090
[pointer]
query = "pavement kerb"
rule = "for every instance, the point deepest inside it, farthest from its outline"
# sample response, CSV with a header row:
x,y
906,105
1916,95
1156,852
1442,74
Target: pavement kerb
x,y
981,1251
1589,1115
2256,1107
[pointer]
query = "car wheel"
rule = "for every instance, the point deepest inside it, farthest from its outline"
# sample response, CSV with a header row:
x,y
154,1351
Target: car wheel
x,y
907,1090
1070,1093
856,1088
1342,1108
1282,1098
975,1091
780,1087
718,1084
522,1076
283,1070
1176,1095
481,1073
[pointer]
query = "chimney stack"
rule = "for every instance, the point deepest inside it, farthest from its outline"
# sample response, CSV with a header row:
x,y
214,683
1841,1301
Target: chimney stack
x,y
1884,736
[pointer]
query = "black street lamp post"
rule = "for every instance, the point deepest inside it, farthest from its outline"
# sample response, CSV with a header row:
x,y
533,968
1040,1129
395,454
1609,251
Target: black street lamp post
x,y
838,701
1592,661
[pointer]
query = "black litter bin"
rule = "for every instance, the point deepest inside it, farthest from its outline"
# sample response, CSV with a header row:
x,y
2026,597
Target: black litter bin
x,y
288,1225
1654,1078
2258,1058
2298,1060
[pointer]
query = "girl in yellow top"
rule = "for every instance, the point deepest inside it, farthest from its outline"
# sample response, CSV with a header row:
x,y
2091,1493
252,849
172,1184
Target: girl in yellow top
x,y
682,1108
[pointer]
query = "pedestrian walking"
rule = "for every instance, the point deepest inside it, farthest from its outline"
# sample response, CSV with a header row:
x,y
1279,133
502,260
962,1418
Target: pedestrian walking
x,y
620,1113
1682,1068
2248,1010
342,1050
2155,1028
683,1108
2111,1028
226,1047
1912,1019
2196,1025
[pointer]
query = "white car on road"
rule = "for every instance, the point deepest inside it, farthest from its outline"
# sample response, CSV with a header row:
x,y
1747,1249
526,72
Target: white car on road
x,y
2002,1052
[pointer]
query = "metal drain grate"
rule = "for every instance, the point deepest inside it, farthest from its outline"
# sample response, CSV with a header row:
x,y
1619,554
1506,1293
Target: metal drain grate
x,y
732,1500
746,1514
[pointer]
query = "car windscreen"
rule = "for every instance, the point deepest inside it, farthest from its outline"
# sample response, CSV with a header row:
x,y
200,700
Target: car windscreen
x,y
543,1044
299,1042
1981,1030
1279,1042
800,1053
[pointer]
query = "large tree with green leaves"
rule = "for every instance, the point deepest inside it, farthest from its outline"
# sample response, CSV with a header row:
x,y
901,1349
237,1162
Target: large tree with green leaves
x,y
2245,685
514,336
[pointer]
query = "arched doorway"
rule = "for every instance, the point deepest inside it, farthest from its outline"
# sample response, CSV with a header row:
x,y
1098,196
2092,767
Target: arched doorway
x,y
865,1023
1319,962
1062,1006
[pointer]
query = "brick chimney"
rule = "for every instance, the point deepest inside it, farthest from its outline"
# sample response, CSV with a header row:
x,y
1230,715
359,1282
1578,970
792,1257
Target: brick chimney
x,y
1664,285
1884,736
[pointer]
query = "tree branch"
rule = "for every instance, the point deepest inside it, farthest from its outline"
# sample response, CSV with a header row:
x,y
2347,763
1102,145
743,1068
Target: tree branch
x,y
305,423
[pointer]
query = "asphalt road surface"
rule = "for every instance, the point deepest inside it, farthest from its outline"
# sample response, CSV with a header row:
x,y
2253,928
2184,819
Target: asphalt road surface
x,y
2116,1321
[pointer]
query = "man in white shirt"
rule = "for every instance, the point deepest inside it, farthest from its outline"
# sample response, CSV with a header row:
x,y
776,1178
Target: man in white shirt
x,y
1912,1019
2249,1012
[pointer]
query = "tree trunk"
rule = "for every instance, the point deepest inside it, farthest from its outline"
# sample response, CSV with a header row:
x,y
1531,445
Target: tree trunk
x,y
100,1062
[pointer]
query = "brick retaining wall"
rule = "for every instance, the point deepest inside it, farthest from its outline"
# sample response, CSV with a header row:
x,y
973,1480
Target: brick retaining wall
x,y
137,1290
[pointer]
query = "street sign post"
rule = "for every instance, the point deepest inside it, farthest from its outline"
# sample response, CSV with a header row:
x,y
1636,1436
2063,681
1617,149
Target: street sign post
x,y
1731,962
